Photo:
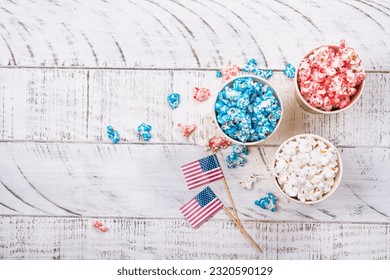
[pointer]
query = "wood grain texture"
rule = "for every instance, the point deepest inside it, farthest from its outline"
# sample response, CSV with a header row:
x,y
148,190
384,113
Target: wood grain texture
x,y
75,238
187,33
43,105
146,181
77,105
68,69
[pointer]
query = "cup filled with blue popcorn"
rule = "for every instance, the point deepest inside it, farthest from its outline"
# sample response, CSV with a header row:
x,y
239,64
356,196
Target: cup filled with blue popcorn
x,y
248,110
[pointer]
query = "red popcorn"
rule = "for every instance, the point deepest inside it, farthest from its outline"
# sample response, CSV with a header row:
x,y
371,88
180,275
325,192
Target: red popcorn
x,y
99,225
218,142
201,94
230,71
186,129
328,78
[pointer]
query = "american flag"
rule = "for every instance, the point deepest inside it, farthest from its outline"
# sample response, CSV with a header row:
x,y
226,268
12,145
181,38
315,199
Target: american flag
x,y
201,172
204,205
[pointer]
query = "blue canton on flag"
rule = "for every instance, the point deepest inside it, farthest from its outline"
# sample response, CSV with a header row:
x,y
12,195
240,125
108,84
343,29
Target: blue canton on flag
x,y
205,196
201,172
209,163
204,205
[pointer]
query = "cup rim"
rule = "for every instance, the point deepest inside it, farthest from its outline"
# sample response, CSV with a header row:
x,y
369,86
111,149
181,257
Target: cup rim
x,y
263,81
356,97
338,177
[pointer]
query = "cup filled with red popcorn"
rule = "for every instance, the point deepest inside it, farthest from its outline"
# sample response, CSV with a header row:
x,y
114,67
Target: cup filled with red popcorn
x,y
330,79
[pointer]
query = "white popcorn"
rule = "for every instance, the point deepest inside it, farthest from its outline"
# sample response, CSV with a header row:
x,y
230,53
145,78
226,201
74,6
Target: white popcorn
x,y
306,168
248,183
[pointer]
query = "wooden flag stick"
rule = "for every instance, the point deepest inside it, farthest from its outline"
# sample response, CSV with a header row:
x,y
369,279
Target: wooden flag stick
x,y
231,199
257,248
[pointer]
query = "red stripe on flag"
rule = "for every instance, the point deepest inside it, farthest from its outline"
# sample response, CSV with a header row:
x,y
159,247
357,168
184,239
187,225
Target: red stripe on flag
x,y
186,166
217,205
187,204
209,180
210,215
193,172
201,175
201,211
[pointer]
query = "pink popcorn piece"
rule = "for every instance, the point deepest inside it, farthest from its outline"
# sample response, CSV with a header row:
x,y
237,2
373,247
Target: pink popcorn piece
x,y
218,142
201,94
186,129
329,78
230,71
99,225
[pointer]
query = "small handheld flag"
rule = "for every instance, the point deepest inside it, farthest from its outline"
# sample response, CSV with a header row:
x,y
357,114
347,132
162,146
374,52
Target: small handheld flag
x,y
201,172
204,205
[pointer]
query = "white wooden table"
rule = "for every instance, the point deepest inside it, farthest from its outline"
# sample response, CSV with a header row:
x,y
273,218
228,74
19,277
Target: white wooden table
x,y
70,68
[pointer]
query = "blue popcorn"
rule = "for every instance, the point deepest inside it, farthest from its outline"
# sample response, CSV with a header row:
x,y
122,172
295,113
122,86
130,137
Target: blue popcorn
x,y
257,88
247,110
243,102
267,202
228,125
289,71
240,149
112,134
233,160
174,100
250,66
259,72
232,112
221,107
254,137
231,131
144,131
232,94
222,118
218,74
268,74
268,92
261,107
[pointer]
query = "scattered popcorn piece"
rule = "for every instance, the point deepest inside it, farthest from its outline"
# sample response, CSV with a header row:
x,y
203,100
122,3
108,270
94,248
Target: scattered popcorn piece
x,y
144,131
229,72
201,94
112,134
186,129
99,225
249,182
289,71
174,100
234,159
251,66
218,142
267,202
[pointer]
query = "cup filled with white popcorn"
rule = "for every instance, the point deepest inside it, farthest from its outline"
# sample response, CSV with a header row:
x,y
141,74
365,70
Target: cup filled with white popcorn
x,y
307,168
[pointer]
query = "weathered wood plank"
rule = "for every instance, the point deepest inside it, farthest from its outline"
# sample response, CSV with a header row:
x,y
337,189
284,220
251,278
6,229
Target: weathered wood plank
x,y
187,33
77,105
75,238
43,105
146,181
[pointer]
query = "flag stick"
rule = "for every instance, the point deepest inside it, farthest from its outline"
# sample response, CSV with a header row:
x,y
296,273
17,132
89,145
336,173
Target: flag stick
x,y
257,248
231,199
